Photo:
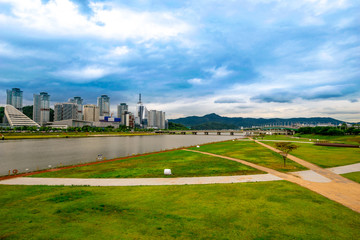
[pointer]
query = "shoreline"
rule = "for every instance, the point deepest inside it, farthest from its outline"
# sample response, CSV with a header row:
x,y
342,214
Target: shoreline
x,y
4,177
63,135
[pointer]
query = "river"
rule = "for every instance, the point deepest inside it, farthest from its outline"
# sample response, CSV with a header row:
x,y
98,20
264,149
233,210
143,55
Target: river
x,y
34,154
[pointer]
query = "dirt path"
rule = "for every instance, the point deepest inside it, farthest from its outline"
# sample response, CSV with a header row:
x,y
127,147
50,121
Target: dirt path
x,y
338,188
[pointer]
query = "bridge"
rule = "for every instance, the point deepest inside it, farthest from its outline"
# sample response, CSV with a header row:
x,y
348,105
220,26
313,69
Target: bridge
x,y
229,132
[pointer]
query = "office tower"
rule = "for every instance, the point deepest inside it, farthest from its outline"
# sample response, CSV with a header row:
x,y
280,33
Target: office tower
x,y
64,111
123,107
156,119
141,114
103,103
128,119
79,102
91,113
152,119
41,108
15,98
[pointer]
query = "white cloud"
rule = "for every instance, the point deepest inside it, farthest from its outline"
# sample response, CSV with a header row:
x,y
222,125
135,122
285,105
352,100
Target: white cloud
x,y
196,81
62,18
85,74
119,51
219,72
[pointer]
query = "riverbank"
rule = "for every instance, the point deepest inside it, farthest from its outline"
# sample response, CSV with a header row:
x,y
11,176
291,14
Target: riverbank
x,y
17,136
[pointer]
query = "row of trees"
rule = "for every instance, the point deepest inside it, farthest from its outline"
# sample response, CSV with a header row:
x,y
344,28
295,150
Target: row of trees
x,y
331,131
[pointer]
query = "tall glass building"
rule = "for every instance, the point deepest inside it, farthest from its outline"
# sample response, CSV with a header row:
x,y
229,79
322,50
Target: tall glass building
x,y
121,109
103,103
79,102
15,98
41,109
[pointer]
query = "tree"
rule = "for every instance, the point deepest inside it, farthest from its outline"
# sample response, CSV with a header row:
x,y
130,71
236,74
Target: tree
x,y
285,148
262,135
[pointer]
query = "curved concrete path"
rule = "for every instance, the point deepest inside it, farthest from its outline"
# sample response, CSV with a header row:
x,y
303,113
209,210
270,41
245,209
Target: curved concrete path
x,y
307,175
339,189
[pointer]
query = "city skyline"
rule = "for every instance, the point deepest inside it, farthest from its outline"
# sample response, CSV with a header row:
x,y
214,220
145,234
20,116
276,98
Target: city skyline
x,y
237,59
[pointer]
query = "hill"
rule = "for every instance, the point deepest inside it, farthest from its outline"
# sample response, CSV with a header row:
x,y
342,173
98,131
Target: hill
x,y
214,121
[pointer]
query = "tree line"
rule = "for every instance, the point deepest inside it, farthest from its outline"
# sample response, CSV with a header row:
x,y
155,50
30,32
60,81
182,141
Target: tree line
x,y
331,131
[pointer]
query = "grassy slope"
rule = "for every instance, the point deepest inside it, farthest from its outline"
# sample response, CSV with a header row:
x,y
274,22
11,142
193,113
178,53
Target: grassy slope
x,y
252,152
351,139
182,164
285,138
273,210
325,156
355,176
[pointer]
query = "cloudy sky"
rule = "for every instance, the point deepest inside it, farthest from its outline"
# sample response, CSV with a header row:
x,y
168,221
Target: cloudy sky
x,y
249,58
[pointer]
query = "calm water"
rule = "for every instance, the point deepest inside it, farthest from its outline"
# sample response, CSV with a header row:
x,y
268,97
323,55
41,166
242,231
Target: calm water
x,y
33,154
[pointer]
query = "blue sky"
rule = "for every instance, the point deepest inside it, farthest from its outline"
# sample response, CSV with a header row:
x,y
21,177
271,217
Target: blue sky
x,y
255,58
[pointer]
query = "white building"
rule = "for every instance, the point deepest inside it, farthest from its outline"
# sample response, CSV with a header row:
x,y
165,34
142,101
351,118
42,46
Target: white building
x,y
141,115
103,103
15,118
15,98
156,119
41,108
91,113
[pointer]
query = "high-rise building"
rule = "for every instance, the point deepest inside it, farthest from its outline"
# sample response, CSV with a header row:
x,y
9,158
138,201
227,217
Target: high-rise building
x,y
123,107
64,111
128,119
156,119
41,108
103,103
141,114
91,113
79,102
15,98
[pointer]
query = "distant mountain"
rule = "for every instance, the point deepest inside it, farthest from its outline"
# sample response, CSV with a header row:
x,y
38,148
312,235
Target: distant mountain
x,y
214,121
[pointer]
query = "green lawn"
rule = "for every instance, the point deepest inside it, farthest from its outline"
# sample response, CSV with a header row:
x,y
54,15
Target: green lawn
x,y
272,210
350,139
325,156
252,152
181,163
355,176
284,138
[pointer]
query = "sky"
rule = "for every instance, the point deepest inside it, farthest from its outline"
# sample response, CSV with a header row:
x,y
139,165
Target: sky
x,y
236,58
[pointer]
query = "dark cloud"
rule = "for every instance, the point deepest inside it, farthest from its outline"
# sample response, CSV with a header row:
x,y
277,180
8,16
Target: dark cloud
x,y
229,100
276,96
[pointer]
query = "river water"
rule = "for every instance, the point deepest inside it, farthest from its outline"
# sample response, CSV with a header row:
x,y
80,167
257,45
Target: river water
x,y
34,154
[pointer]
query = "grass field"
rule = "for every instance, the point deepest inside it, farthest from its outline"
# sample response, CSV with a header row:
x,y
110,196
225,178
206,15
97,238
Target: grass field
x,y
273,210
285,138
252,152
350,139
325,156
355,176
181,163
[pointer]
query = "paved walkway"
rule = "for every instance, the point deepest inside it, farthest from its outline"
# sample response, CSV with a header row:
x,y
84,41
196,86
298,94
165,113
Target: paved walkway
x,y
308,175
339,189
